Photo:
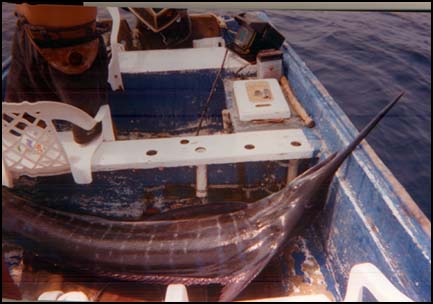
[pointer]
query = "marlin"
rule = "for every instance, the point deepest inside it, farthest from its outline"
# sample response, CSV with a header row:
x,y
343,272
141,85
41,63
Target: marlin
x,y
223,243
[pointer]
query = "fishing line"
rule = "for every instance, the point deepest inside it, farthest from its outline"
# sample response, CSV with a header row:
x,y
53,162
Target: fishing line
x,y
211,93
97,297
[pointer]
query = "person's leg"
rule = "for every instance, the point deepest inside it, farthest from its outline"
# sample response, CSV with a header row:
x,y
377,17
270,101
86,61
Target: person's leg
x,y
32,79
87,91
27,76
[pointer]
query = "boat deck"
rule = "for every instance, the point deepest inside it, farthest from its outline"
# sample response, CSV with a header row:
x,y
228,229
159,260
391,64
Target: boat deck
x,y
293,273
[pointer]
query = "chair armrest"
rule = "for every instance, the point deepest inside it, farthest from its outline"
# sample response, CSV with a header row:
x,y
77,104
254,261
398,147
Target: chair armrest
x,y
104,116
114,75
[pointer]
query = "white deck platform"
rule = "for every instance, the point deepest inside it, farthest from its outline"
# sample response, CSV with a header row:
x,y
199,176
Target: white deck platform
x,y
30,148
180,60
195,150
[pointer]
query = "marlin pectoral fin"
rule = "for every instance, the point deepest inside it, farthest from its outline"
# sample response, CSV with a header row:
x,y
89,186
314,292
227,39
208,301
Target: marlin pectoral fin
x,y
234,288
199,211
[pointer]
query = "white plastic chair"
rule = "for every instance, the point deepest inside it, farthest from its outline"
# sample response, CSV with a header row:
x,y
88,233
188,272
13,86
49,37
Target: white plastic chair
x,y
32,146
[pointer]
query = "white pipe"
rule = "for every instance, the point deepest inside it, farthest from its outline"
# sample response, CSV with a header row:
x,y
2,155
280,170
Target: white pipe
x,y
292,170
201,181
176,293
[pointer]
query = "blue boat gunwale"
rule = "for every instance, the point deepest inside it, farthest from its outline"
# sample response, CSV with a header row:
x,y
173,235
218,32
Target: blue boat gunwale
x,y
389,198
365,153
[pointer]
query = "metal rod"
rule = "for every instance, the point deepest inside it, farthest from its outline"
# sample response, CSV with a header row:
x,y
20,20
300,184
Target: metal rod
x,y
211,93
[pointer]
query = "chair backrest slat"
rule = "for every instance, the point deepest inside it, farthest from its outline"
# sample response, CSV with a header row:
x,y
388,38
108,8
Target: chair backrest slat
x,y
31,144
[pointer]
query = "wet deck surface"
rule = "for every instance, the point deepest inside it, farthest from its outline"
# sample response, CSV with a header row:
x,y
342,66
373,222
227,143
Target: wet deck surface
x,y
295,272
36,281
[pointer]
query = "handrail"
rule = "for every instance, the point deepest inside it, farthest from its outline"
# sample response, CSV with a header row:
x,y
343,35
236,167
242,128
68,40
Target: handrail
x,y
114,75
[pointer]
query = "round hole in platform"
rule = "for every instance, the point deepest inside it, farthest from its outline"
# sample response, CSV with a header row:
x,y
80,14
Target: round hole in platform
x,y
296,143
249,147
200,149
184,141
151,152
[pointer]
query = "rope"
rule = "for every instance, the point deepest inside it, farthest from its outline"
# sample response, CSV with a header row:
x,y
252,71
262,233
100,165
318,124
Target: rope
x,y
211,93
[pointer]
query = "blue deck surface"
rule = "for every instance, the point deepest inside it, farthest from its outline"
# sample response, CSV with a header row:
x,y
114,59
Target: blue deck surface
x,y
162,102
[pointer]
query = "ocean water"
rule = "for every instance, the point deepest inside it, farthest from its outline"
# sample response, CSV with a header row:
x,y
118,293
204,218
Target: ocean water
x,y
364,59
